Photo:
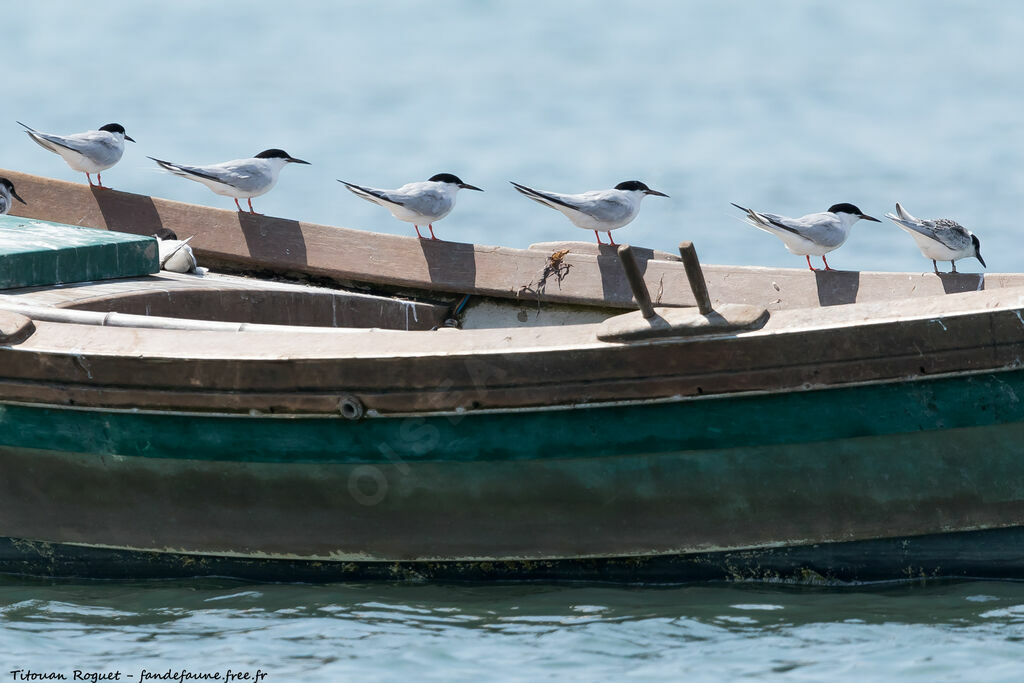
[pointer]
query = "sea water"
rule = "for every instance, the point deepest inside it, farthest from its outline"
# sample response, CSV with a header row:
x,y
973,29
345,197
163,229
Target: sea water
x,y
787,106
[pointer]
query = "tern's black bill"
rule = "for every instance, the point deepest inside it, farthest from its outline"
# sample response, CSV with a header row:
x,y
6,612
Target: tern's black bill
x,y
977,255
467,186
298,161
869,218
15,195
655,193
129,139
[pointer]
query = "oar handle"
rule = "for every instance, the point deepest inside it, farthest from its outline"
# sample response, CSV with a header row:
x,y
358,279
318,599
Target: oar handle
x,y
636,281
696,277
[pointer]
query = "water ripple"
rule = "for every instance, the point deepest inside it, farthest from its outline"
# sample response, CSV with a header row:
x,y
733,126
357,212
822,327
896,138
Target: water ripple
x,y
703,632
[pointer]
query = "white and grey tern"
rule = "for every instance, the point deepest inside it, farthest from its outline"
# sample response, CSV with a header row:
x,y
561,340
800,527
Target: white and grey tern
x,y
93,151
422,203
941,239
240,178
815,234
8,195
597,210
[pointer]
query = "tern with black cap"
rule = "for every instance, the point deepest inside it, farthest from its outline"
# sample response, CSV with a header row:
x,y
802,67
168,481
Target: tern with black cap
x,y
941,239
240,178
8,195
90,152
421,203
597,210
815,234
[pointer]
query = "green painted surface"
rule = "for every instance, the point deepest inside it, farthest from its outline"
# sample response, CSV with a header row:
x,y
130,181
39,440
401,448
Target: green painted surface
x,y
38,253
703,424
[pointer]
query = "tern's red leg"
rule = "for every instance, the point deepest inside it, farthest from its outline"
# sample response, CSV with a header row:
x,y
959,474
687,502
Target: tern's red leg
x,y
99,180
935,265
89,178
611,240
431,226
252,210
827,267
418,232
809,262
240,209
598,235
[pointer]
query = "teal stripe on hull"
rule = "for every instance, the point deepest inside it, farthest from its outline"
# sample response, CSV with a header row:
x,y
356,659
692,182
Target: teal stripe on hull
x,y
652,428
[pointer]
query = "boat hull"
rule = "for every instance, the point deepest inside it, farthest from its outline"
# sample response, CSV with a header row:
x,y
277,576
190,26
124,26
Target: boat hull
x,y
584,491
986,554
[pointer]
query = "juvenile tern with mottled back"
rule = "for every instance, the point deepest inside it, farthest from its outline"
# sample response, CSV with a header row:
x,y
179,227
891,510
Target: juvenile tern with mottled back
x,y
240,178
90,152
420,203
814,234
597,210
941,239
8,195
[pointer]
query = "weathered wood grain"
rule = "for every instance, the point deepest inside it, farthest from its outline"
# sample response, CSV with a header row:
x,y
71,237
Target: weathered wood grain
x,y
244,242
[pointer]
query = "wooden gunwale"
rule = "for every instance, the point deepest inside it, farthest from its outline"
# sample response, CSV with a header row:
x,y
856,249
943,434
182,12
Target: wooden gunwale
x,y
397,372
276,246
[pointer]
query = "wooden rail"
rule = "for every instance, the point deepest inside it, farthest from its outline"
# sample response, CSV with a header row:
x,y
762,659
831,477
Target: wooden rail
x,y
228,240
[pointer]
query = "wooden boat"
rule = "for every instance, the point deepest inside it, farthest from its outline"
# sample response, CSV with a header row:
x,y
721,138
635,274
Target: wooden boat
x,y
333,404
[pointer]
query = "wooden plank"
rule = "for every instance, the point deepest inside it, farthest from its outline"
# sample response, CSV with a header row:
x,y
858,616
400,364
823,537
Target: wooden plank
x,y
229,240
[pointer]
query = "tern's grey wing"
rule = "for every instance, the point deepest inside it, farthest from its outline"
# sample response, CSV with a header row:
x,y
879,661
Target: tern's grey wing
x,y
608,209
950,233
372,194
823,229
244,175
184,170
425,202
599,204
247,175
50,142
230,174
549,199
97,145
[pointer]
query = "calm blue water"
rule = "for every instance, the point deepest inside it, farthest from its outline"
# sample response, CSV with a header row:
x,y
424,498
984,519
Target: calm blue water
x,y
787,106
931,632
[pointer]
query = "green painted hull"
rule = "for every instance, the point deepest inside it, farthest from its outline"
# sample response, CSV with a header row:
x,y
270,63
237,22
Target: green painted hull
x,y
637,483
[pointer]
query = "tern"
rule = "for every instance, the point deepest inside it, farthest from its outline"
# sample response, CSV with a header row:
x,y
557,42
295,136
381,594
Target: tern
x,y
240,178
941,239
814,234
90,152
420,203
7,195
597,210
175,255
